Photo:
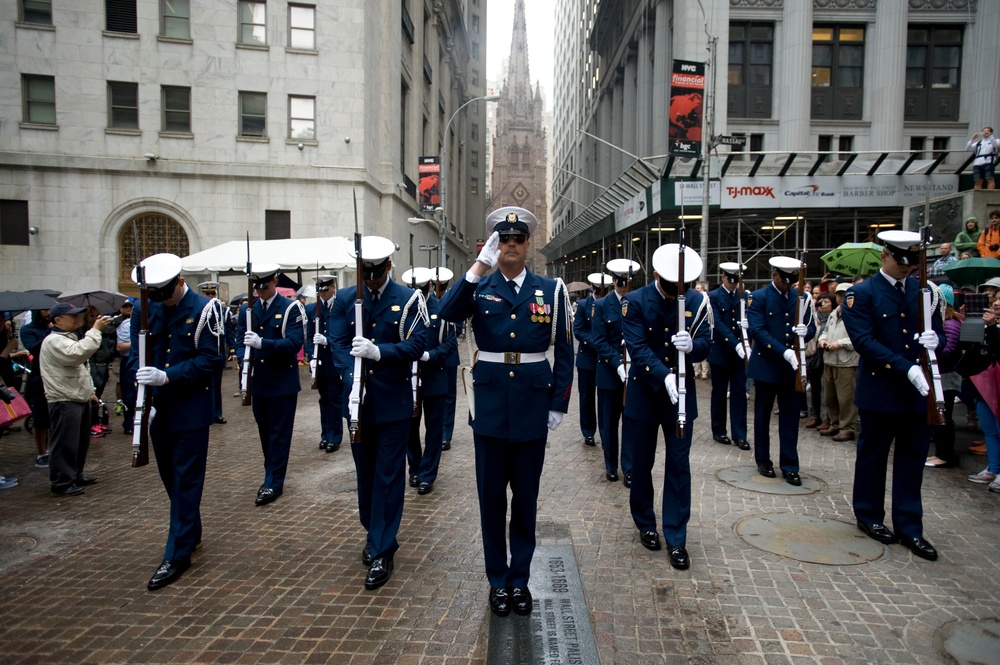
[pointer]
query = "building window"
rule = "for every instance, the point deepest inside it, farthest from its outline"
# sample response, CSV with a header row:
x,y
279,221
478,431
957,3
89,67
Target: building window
x,y
302,118
253,114
475,23
474,107
756,142
175,19
36,11
277,224
940,146
475,50
825,143
253,23
933,72
751,60
838,55
176,104
14,223
155,233
474,186
120,16
474,132
475,77
917,146
123,105
39,99
302,27
474,159
846,146
407,24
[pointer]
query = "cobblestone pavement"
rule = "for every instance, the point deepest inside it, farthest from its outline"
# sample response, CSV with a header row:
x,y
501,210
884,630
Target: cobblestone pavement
x,y
284,583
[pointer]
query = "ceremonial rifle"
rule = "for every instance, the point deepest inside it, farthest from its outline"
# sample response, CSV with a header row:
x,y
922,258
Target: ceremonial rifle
x,y
742,333
415,370
247,350
681,355
315,361
928,358
358,385
140,423
801,380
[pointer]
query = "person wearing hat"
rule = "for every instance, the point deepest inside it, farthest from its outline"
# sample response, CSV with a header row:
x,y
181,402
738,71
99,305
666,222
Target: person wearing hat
x,y
69,390
586,357
989,240
840,373
606,336
655,334
774,362
728,358
329,383
967,240
883,323
441,276
516,316
394,320
276,335
211,291
187,343
424,461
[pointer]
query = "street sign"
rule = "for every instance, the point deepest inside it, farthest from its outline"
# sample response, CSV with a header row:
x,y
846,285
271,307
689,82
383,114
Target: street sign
x,y
731,140
428,248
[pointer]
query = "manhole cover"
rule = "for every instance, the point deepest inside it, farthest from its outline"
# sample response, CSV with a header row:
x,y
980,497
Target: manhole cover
x,y
809,539
747,478
16,545
971,642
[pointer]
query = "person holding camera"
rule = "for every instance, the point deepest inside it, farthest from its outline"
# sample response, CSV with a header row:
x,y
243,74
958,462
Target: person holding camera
x,y
989,241
986,147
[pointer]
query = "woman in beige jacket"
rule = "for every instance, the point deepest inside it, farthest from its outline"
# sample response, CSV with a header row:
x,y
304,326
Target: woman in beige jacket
x,y
840,373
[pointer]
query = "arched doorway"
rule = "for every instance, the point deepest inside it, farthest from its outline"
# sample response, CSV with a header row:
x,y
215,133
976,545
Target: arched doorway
x,y
155,233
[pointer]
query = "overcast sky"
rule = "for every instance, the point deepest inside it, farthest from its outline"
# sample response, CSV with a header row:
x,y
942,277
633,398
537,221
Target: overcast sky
x,y
539,16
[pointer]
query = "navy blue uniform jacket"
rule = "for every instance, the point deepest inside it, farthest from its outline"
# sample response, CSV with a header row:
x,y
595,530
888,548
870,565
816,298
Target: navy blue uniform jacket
x,y
586,355
513,401
606,335
276,363
725,334
326,367
772,317
441,344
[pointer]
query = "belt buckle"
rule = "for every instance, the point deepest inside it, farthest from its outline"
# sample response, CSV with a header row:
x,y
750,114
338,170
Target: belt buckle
x,y
511,358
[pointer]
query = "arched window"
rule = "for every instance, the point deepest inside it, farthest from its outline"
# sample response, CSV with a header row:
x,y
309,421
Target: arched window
x,y
155,233
526,158
514,159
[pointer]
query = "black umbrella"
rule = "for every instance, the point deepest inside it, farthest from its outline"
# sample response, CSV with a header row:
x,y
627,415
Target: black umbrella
x,y
236,301
19,301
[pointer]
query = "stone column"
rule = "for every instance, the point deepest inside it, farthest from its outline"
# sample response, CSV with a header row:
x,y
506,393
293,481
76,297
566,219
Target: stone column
x,y
629,117
605,113
885,80
644,96
661,77
793,90
617,126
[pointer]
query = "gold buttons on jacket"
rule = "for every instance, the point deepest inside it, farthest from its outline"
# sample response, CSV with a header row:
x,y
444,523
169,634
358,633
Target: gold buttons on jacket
x,y
513,316
513,335
511,375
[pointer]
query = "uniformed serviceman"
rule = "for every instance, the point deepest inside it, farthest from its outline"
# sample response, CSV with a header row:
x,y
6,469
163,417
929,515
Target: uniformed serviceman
x,y
279,328
728,358
606,335
394,321
187,341
773,364
211,291
516,317
442,276
329,383
881,316
654,336
586,358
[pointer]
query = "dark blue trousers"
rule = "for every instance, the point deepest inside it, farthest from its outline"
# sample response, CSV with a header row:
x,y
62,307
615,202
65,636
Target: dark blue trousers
x,y
499,463
217,387
424,462
912,435
380,463
609,416
331,398
275,418
587,387
448,427
181,459
731,377
789,403
676,508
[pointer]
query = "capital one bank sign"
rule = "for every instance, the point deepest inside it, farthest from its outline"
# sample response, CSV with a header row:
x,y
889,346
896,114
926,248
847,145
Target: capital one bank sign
x,y
740,192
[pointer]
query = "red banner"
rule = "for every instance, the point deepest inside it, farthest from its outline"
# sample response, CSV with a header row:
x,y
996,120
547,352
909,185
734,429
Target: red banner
x,y
429,188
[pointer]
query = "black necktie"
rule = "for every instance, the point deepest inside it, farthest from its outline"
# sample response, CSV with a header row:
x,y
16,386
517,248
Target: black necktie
x,y
899,287
513,286
375,295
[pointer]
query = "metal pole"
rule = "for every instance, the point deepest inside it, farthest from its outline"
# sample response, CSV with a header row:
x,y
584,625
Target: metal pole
x,y
705,134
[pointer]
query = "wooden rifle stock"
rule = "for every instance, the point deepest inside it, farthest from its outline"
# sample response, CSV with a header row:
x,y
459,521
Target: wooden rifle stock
x,y
928,358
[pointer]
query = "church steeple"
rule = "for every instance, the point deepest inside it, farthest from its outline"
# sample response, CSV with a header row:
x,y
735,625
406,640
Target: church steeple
x,y
518,88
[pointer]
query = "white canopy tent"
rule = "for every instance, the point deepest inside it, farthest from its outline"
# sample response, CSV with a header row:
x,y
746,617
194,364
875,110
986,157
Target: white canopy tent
x,y
328,254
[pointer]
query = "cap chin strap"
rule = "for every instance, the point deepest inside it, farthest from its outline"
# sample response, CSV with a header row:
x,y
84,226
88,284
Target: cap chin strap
x,y
731,277
163,293
375,271
621,281
787,277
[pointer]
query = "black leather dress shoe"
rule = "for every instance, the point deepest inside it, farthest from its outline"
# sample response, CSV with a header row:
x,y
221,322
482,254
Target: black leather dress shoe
x,y
260,490
878,531
379,573
723,439
679,558
332,447
414,480
169,572
792,478
85,481
446,445
499,601
69,490
612,477
766,470
366,556
220,421
266,496
322,444
627,481
521,600
589,441
742,444
425,488
650,540
920,547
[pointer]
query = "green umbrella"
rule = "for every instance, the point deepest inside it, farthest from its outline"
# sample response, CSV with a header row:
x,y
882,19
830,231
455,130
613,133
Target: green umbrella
x,y
854,258
973,271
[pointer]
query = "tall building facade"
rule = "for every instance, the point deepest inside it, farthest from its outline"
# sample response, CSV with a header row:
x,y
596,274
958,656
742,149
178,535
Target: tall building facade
x,y
201,122
519,149
866,88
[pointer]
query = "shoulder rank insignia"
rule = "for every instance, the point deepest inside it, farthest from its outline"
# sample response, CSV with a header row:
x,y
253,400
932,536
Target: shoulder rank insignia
x,y
849,300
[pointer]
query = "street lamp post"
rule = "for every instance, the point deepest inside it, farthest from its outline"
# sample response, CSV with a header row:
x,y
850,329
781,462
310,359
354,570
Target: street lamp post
x,y
444,176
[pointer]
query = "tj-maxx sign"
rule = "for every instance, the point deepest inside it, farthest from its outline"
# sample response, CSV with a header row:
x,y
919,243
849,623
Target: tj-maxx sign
x,y
833,191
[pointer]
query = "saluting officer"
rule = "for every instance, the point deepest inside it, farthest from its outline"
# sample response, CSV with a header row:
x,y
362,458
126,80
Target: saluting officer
x,y
187,339
586,359
516,317
441,277
728,358
606,335
279,328
211,291
773,364
394,321
329,383
882,319
654,335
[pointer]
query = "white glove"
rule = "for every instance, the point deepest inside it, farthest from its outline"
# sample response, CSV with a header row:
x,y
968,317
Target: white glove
x,y
744,324
928,339
362,347
312,366
425,356
554,419
801,330
916,377
741,351
790,358
152,413
151,376
320,339
490,253
251,339
622,374
671,383
682,341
